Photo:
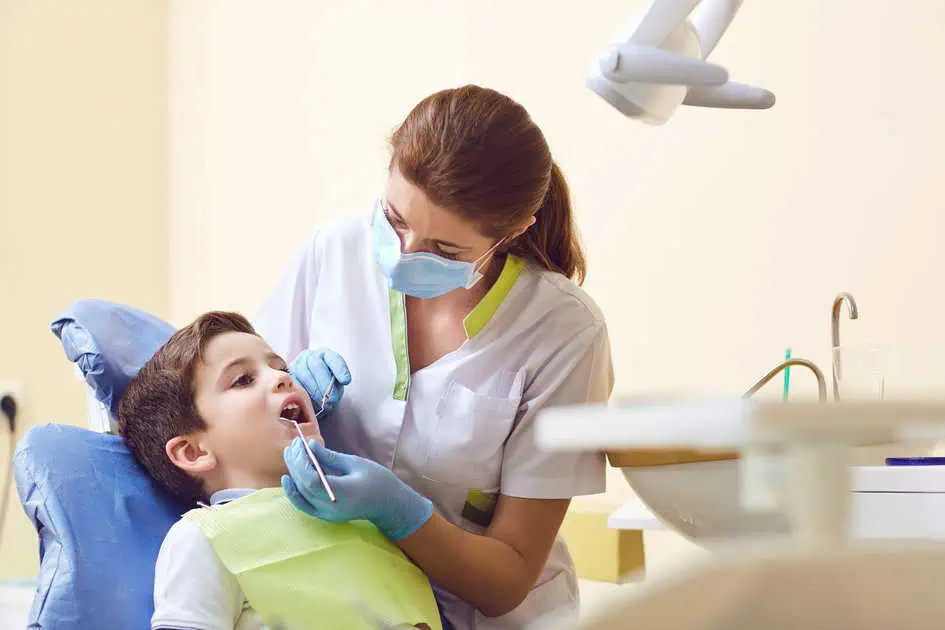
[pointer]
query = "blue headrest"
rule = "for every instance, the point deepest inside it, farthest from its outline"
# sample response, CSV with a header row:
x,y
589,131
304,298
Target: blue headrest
x,y
109,342
101,521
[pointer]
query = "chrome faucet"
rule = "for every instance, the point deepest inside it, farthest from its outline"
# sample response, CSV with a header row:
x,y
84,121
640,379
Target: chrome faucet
x,y
821,382
835,334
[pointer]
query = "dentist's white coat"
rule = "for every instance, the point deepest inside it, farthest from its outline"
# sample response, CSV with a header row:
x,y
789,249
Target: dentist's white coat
x,y
466,422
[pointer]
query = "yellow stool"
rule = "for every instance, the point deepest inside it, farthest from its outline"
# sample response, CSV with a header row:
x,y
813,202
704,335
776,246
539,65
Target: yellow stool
x,y
601,554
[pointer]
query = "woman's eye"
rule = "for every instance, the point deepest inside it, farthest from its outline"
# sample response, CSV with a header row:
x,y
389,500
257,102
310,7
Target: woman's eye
x,y
391,218
445,254
245,380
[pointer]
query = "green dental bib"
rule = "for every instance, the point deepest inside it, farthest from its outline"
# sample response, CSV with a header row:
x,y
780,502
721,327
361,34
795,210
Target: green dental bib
x,y
310,574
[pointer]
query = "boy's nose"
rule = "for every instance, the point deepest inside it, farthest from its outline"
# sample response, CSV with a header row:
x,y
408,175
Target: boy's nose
x,y
282,381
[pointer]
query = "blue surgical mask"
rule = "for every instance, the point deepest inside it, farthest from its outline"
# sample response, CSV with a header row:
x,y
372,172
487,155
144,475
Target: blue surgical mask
x,y
419,274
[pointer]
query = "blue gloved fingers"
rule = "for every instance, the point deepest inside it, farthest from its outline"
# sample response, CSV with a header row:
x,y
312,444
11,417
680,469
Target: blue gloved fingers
x,y
333,462
296,461
319,366
337,366
337,391
333,375
302,374
303,473
321,511
308,485
321,374
309,381
365,490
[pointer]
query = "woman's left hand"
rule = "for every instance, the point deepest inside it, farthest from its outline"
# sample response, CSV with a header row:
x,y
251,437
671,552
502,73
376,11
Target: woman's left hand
x,y
364,490
321,372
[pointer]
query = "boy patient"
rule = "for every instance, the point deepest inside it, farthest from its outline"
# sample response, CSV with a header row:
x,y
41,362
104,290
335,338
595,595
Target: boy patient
x,y
203,418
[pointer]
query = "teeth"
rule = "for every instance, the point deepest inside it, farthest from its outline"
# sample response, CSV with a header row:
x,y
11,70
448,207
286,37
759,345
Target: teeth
x,y
292,412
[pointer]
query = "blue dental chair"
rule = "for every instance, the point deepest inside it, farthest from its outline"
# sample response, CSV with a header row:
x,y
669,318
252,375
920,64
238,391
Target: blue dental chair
x,y
100,518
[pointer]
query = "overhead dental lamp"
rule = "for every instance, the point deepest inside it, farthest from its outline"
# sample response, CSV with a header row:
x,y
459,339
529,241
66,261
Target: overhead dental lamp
x,y
658,63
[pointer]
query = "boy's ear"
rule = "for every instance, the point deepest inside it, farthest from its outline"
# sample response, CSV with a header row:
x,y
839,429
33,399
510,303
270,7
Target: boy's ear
x,y
187,453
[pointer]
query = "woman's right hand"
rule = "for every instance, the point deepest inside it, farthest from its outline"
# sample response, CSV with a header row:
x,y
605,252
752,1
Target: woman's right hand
x,y
314,370
364,490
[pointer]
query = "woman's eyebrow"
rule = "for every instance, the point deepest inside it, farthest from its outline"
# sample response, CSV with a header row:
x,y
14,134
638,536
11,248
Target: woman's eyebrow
x,y
393,210
399,218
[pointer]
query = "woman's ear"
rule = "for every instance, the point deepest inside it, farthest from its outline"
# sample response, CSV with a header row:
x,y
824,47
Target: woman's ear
x,y
524,228
510,239
187,453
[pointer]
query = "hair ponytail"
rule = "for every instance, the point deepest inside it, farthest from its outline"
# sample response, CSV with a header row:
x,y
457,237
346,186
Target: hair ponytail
x,y
552,242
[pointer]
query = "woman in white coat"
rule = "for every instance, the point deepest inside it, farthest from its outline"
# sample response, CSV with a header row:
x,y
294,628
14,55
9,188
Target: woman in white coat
x,y
456,305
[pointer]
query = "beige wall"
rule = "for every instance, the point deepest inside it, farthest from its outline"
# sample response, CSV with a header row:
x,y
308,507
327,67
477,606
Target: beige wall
x,y
715,241
82,192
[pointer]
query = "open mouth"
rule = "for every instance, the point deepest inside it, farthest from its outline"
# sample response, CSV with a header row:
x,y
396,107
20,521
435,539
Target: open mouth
x,y
293,412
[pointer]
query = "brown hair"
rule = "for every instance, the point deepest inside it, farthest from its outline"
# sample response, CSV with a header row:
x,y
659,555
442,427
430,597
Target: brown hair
x,y
478,152
159,402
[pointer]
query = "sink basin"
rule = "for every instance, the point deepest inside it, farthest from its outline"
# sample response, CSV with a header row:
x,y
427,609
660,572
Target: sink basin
x,y
682,459
700,500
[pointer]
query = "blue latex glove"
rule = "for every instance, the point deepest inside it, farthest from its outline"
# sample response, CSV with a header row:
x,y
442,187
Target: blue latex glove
x,y
314,369
364,490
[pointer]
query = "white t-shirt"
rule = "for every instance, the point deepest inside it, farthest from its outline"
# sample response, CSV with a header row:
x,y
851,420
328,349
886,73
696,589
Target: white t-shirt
x,y
192,588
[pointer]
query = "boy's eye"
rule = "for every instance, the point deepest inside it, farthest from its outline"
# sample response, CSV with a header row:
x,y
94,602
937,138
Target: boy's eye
x,y
244,380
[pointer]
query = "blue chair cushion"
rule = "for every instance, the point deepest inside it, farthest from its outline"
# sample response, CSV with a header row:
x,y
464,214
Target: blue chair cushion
x,y
101,521
109,343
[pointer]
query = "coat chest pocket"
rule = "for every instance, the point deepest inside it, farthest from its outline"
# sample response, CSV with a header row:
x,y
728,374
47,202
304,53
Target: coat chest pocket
x,y
469,437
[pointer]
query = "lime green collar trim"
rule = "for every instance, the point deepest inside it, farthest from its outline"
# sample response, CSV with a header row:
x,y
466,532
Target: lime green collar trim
x,y
398,336
473,323
490,303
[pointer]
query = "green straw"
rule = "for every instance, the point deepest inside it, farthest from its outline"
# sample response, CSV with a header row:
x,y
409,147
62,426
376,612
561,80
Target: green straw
x,y
787,375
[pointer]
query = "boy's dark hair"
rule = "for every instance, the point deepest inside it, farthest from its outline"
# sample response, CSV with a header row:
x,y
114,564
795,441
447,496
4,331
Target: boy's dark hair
x,y
159,402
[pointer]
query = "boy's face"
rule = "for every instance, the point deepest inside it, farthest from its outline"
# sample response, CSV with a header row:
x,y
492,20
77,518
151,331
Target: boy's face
x,y
242,389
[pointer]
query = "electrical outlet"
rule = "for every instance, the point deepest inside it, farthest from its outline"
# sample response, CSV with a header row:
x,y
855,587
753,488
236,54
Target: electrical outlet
x,y
12,388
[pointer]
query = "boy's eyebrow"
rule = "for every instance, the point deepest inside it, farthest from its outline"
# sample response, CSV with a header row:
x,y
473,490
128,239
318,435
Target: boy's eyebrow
x,y
270,356
232,364
397,216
